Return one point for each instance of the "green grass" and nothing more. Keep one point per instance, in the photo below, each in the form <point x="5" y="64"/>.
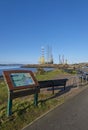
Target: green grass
<point x="23" y="109"/>
<point x="24" y="112"/>
<point x="3" y="92"/>
<point x="50" y="74"/>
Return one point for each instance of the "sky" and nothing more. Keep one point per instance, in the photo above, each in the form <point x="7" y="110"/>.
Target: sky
<point x="28" y="25"/>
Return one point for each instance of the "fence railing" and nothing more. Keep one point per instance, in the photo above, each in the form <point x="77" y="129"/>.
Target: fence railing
<point x="77" y="80"/>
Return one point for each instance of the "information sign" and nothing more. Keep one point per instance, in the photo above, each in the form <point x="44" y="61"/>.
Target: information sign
<point x="20" y="80"/>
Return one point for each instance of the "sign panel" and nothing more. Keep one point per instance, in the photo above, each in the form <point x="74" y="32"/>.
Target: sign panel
<point x="20" y="79"/>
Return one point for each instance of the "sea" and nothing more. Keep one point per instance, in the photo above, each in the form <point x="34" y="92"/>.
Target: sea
<point x="18" y="67"/>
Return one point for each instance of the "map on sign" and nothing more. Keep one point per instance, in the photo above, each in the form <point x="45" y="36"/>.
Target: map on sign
<point x="22" y="79"/>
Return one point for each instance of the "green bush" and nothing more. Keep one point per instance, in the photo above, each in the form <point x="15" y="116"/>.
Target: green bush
<point x="40" y="71"/>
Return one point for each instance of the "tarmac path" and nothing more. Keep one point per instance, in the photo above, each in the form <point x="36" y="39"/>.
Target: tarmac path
<point x="72" y="115"/>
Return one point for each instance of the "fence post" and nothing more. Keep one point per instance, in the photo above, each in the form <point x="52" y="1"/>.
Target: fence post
<point x="52" y="87"/>
<point x="36" y="99"/>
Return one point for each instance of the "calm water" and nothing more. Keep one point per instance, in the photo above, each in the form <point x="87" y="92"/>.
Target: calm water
<point x="2" y="68"/>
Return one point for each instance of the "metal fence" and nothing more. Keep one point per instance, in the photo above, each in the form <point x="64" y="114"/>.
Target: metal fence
<point x="77" y="80"/>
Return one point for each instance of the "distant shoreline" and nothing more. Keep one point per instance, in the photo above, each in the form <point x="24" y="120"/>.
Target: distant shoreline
<point x="60" y="66"/>
<point x="41" y="65"/>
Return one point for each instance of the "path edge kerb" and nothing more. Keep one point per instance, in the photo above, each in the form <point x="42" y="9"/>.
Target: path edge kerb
<point x="42" y="116"/>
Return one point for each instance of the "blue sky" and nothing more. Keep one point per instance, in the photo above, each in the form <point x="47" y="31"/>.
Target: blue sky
<point x="27" y="25"/>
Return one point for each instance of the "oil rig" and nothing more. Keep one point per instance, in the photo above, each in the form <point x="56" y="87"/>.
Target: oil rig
<point x="48" y="59"/>
<point x="62" y="60"/>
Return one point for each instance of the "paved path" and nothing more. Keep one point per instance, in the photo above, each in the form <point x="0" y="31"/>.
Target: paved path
<point x="72" y="115"/>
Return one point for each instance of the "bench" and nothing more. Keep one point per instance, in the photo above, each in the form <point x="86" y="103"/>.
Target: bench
<point x="52" y="83"/>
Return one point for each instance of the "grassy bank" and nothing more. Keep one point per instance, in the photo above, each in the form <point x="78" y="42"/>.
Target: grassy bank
<point x="24" y="110"/>
<point x="49" y="74"/>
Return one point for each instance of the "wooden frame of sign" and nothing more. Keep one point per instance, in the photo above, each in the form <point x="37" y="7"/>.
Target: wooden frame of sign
<point x="20" y="79"/>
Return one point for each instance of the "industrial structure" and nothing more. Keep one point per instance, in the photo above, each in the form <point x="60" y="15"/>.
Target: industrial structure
<point x="42" y="58"/>
<point x="48" y="58"/>
<point x="62" y="60"/>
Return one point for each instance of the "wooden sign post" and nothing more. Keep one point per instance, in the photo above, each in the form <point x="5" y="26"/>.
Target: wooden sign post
<point x="9" y="107"/>
<point x="20" y="83"/>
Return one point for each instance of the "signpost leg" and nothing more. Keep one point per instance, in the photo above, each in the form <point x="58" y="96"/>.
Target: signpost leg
<point x="64" y="86"/>
<point x="53" y="90"/>
<point x="36" y="99"/>
<point x="9" y="109"/>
